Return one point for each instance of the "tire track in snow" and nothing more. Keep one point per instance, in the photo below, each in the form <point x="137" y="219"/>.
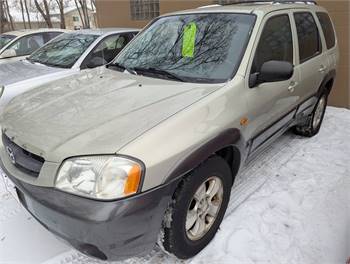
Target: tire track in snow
<point x="252" y="177"/>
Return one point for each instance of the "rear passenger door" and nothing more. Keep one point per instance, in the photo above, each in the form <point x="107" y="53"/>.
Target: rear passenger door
<point x="330" y="40"/>
<point x="312" y="64"/>
<point x="271" y="105"/>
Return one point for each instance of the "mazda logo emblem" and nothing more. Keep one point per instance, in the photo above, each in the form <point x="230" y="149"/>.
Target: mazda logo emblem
<point x="11" y="154"/>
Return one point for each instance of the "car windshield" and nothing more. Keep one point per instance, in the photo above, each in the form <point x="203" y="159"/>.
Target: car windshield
<point x="4" y="39"/>
<point x="63" y="51"/>
<point x="204" y="48"/>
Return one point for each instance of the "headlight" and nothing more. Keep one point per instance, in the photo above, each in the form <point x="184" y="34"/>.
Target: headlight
<point x="100" y="177"/>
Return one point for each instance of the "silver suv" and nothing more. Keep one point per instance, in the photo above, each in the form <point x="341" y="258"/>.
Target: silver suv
<point x="147" y="148"/>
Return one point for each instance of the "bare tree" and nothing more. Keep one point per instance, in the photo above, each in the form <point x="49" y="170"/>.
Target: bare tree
<point x="27" y="11"/>
<point x="22" y="11"/>
<point x="93" y="8"/>
<point x="2" y="17"/>
<point x="93" y="5"/>
<point x="44" y="11"/>
<point x="83" y="12"/>
<point x="60" y="4"/>
<point x="9" y="14"/>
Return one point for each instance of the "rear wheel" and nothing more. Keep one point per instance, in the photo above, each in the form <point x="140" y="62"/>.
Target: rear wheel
<point x="312" y="127"/>
<point x="198" y="208"/>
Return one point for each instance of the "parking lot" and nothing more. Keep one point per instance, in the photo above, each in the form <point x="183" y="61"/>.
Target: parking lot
<point x="290" y="205"/>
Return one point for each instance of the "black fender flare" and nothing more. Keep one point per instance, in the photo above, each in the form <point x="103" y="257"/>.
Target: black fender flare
<point x="229" y="138"/>
<point x="323" y="87"/>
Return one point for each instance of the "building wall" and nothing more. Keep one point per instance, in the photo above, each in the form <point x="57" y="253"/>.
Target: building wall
<point x="117" y="14"/>
<point x="339" y="11"/>
<point x="70" y="24"/>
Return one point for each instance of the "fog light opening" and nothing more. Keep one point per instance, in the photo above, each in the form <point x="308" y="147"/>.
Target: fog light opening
<point x="92" y="251"/>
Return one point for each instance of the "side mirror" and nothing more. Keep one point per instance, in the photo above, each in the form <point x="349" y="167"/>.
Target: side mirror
<point x="272" y="71"/>
<point x="8" y="53"/>
<point x="95" y="62"/>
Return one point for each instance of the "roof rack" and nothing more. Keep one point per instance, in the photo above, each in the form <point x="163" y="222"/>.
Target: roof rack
<point x="313" y="2"/>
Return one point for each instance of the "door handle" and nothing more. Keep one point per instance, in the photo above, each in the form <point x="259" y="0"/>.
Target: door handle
<point x="322" y="69"/>
<point x="292" y="86"/>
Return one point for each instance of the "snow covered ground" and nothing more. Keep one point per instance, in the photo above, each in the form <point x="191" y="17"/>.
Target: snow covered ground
<point x="290" y="205"/>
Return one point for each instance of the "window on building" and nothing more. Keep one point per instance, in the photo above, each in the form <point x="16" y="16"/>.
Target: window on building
<point x="144" y="9"/>
<point x="75" y="19"/>
<point x="327" y="28"/>
<point x="309" y="38"/>
<point x="276" y="42"/>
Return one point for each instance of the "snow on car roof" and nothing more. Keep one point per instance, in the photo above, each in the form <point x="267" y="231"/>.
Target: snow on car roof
<point x="102" y="31"/>
<point x="22" y="32"/>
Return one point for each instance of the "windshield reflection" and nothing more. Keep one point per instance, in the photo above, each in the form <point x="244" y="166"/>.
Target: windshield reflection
<point x="196" y="47"/>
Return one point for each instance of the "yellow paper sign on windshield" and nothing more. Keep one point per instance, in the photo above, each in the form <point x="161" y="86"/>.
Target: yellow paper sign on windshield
<point x="189" y="40"/>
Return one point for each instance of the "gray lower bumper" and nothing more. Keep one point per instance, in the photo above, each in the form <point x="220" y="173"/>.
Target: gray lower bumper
<point x="105" y="230"/>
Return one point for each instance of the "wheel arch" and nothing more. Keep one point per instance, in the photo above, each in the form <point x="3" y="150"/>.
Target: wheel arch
<point x="229" y="145"/>
<point x="327" y="83"/>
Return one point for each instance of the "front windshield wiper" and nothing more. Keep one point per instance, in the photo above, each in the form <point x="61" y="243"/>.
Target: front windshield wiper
<point x="33" y="61"/>
<point x="159" y="72"/>
<point x="45" y="63"/>
<point x="122" y="67"/>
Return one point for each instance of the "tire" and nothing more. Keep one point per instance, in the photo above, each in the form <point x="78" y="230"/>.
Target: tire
<point x="186" y="241"/>
<point x="312" y="127"/>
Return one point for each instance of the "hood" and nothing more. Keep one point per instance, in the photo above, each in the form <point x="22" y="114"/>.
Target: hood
<point x="97" y="112"/>
<point x="18" y="71"/>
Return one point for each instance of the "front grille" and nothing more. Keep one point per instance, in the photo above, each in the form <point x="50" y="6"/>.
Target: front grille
<point x="25" y="161"/>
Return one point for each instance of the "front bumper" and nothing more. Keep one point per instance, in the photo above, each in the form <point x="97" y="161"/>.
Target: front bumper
<point x="105" y="230"/>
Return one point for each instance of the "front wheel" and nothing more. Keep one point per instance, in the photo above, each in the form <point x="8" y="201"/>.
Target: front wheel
<point x="312" y="127"/>
<point x="198" y="208"/>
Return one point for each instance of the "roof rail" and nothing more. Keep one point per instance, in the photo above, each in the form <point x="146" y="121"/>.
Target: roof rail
<point x="273" y="2"/>
<point x="214" y="5"/>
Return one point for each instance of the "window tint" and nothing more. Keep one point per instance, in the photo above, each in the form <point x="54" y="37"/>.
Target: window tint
<point x="309" y="38"/>
<point x="327" y="28"/>
<point x="63" y="51"/>
<point x="51" y="35"/>
<point x="202" y="48"/>
<point x="110" y="47"/>
<point x="4" y="39"/>
<point x="28" y="44"/>
<point x="276" y="42"/>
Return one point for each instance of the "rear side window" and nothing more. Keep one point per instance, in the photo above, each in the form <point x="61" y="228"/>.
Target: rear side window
<point x="50" y="35"/>
<point x="327" y="28"/>
<point x="276" y="42"/>
<point x="110" y="47"/>
<point x="309" y="38"/>
<point x="28" y="44"/>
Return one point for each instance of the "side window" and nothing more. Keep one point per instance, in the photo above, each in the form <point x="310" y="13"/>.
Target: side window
<point x="51" y="35"/>
<point x="109" y="48"/>
<point x="28" y="44"/>
<point x="309" y="38"/>
<point x="327" y="29"/>
<point x="276" y="42"/>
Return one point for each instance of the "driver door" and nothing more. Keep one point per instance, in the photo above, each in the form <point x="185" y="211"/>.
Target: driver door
<point x="271" y="105"/>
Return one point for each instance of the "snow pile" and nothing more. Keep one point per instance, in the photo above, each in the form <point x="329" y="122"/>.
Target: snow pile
<point x="290" y="205"/>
